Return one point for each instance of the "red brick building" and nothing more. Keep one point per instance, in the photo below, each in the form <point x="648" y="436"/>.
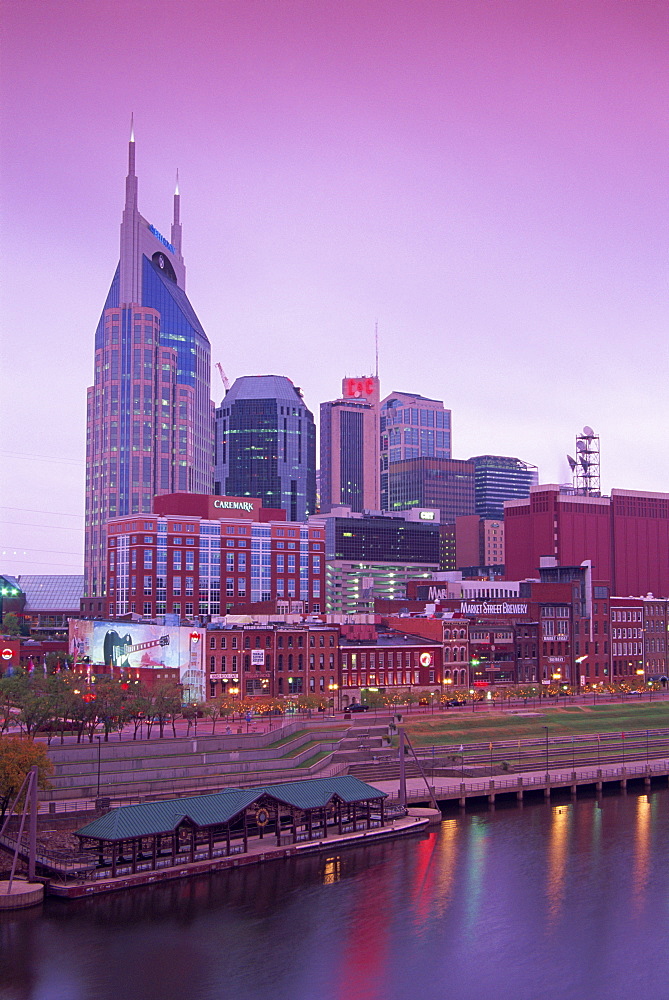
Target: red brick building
<point x="625" y="537"/>
<point x="274" y="660"/>
<point x="202" y="556"/>
<point x="389" y="662"/>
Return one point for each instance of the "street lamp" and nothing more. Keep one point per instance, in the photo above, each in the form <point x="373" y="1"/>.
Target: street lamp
<point x="98" y="738"/>
<point x="334" y="688"/>
<point x="471" y="695"/>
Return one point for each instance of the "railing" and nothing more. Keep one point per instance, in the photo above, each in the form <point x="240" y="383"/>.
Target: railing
<point x="485" y="786"/>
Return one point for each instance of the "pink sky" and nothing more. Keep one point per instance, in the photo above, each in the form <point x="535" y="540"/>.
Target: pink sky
<point x="487" y="179"/>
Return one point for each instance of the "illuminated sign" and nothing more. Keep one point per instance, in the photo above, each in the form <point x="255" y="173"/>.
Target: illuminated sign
<point x="7" y="654"/>
<point x="159" y="236"/>
<point x="258" y="657"/>
<point x="234" y="505"/>
<point x="223" y="677"/>
<point x="503" y="608"/>
<point x="357" y="388"/>
<point x="427" y="515"/>
<point x="425" y="659"/>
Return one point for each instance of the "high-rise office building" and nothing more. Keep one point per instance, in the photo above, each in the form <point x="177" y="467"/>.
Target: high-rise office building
<point x="444" y="484"/>
<point x="499" y="478"/>
<point x="265" y="445"/>
<point x="149" y="412"/>
<point x="411" y="426"/>
<point x="349" y="432"/>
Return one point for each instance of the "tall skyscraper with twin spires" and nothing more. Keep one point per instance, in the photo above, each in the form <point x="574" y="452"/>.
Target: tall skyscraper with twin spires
<point x="150" y="418"/>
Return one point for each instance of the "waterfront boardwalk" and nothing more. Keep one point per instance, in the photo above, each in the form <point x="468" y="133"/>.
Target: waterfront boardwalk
<point x="458" y="789"/>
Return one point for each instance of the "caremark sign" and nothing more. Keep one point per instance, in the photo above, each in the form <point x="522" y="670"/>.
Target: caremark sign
<point x="234" y="505"/>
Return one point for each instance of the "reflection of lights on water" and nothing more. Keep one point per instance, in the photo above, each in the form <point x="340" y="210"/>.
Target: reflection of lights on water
<point x="332" y="870"/>
<point x="475" y="868"/>
<point x="445" y="877"/>
<point x="641" y="868"/>
<point x="557" y="856"/>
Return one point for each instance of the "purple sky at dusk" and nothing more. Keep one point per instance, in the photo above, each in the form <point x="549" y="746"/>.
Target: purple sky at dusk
<point x="486" y="178"/>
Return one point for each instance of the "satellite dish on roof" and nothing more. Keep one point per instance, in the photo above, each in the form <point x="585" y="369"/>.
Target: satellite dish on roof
<point x="584" y="462"/>
<point x="572" y="463"/>
<point x="588" y="431"/>
<point x="581" y="445"/>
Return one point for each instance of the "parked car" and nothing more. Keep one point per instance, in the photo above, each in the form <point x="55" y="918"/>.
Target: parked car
<point x="357" y="707"/>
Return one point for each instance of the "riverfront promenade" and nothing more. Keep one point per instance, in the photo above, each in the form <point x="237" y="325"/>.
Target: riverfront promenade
<point x="458" y="789"/>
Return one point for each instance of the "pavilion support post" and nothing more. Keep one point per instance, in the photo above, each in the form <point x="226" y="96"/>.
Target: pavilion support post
<point x="325" y="822"/>
<point x="292" y="818"/>
<point x="227" y="837"/>
<point x="113" y="866"/>
<point x="134" y="856"/>
<point x="154" y="851"/>
<point x="211" y="842"/>
<point x="369" y="814"/>
<point x="192" y="844"/>
<point x="246" y="834"/>
<point x="355" y="817"/>
<point x="339" y="816"/>
<point x="174" y="847"/>
<point x="383" y="816"/>
<point x="310" y="824"/>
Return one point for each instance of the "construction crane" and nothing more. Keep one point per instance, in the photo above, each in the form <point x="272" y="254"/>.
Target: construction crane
<point x="224" y="378"/>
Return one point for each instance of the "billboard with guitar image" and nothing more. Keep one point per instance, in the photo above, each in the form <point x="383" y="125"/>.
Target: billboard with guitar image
<point x="146" y="652"/>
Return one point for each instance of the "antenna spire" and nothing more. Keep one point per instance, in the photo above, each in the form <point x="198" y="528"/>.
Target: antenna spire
<point x="376" y="346"/>
<point x="176" y="223"/>
<point x="131" y="179"/>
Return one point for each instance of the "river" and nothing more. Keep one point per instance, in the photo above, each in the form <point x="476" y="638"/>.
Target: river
<point x="566" y="900"/>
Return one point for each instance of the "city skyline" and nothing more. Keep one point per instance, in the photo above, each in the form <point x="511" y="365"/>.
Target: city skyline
<point x="485" y="180"/>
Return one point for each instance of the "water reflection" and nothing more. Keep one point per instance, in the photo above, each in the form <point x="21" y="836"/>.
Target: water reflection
<point x="562" y="900"/>
<point x="642" y="854"/>
<point x="556" y="869"/>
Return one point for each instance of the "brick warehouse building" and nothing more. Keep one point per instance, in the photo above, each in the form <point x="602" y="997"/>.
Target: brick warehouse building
<point x="625" y="536"/>
<point x="274" y="659"/>
<point x="531" y="638"/>
<point x="199" y="556"/>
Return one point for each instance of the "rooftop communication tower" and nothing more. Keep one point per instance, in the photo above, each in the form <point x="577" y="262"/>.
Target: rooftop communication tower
<point x="585" y="467"/>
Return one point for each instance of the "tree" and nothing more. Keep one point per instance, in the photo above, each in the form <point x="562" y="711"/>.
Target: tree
<point x="36" y="708"/>
<point x="18" y="754"/>
<point x="109" y="704"/>
<point x="165" y="704"/>
<point x="11" y="624"/>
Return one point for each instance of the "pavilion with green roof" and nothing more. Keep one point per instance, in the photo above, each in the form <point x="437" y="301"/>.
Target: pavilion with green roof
<point x="172" y="832"/>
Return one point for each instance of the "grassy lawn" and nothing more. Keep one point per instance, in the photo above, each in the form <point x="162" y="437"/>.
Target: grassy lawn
<point x="304" y="746"/>
<point x="462" y="726"/>
<point x="287" y="739"/>
<point x="314" y="759"/>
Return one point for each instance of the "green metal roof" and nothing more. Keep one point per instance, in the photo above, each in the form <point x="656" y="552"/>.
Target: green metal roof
<point x="314" y="793"/>
<point x="149" y="818"/>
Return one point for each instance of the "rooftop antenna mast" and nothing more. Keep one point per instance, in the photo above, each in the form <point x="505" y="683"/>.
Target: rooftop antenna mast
<point x="376" y="346"/>
<point x="585" y="466"/>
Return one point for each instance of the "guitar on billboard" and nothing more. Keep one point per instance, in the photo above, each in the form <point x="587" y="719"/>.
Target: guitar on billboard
<point x="117" y="649"/>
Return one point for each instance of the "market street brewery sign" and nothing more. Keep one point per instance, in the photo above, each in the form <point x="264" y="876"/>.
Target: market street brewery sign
<point x="434" y="595"/>
<point x="487" y="608"/>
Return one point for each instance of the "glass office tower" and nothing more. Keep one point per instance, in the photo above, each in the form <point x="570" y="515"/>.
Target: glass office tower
<point x="149" y="412"/>
<point x="499" y="478"/>
<point x="266" y="445"/>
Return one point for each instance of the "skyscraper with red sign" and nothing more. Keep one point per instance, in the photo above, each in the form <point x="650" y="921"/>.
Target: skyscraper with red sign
<point x="350" y="447"/>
